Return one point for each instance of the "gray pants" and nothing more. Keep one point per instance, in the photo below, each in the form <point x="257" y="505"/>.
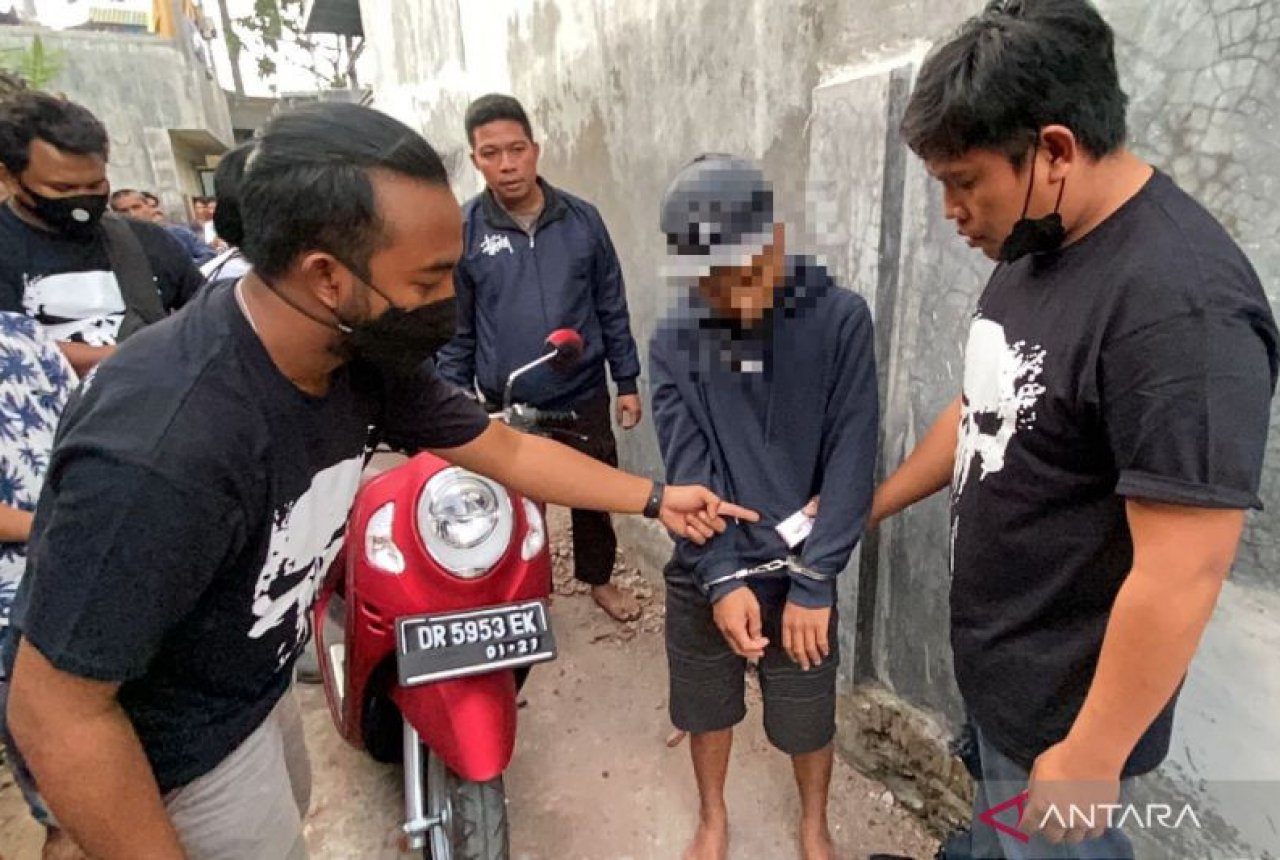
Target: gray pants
<point x="253" y="803"/>
<point x="1002" y="779"/>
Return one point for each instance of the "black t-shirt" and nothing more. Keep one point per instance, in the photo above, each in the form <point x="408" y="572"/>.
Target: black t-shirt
<point x="194" y="500"/>
<point x="68" y="286"/>
<point x="1138" y="362"/>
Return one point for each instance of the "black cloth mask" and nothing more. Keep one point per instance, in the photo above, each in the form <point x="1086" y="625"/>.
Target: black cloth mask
<point x="75" y="217"/>
<point x="1035" y="235"/>
<point x="397" y="342"/>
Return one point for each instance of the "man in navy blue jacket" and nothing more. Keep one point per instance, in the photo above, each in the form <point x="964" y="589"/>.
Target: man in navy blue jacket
<point x="765" y="389"/>
<point x="539" y="259"/>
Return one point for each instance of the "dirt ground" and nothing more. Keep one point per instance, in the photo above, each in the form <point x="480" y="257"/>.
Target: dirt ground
<point x="593" y="777"/>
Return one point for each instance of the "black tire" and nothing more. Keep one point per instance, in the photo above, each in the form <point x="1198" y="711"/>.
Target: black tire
<point x="478" y="819"/>
<point x="382" y="729"/>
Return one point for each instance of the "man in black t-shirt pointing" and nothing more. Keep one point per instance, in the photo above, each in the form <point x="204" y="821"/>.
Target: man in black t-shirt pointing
<point x="1110" y="432"/>
<point x="202" y="480"/>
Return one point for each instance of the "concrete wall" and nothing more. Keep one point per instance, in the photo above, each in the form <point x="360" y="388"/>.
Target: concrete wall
<point x="622" y="94"/>
<point x="140" y="86"/>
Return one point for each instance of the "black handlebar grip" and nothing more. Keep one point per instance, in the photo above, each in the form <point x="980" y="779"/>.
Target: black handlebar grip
<point x="554" y="418"/>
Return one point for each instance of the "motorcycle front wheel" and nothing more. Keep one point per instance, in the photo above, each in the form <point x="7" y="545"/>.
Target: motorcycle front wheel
<point x="474" y="815"/>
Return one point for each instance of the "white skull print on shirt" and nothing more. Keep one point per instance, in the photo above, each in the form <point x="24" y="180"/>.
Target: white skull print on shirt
<point x="1001" y="389"/>
<point x="1000" y="394"/>
<point x="305" y="537"/>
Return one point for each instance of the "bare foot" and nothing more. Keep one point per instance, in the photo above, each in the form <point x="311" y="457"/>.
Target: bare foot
<point x="815" y="842"/>
<point x="613" y="600"/>
<point x="711" y="841"/>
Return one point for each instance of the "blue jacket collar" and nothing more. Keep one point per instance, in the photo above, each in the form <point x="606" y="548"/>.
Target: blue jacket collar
<point x="554" y="208"/>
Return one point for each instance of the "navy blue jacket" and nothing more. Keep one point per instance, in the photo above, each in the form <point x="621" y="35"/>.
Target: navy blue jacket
<point x="515" y="289"/>
<point x="768" y="418"/>
<point x="192" y="243"/>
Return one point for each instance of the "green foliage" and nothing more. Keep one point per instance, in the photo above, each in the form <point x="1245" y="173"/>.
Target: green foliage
<point x="36" y="65"/>
<point x="277" y="24"/>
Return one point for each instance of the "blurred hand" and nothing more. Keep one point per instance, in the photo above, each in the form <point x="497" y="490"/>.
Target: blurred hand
<point x="629" y="410"/>
<point x="1066" y="778"/>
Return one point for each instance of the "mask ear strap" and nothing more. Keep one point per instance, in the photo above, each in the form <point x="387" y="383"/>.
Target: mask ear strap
<point x="342" y="327"/>
<point x="1061" y="189"/>
<point x="1026" y="203"/>
<point x="368" y="282"/>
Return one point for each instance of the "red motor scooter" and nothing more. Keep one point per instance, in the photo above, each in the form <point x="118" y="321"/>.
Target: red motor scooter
<point x="430" y="618"/>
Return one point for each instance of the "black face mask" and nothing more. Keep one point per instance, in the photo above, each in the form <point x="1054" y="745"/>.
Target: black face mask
<point x="397" y="342"/>
<point x="75" y="217"/>
<point x="1035" y="235"/>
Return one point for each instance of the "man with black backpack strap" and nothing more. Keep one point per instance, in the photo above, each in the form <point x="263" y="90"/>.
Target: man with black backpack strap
<point x="91" y="280"/>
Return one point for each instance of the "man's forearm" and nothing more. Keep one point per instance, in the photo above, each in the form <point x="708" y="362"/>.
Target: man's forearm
<point x="551" y="472"/>
<point x="94" y="775"/>
<point x="83" y="357"/>
<point x="1148" y="647"/>
<point x="926" y="470"/>
<point x="1181" y="555"/>
<point x="15" y="525"/>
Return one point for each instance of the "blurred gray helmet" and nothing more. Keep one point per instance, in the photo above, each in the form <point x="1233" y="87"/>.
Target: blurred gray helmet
<point x="717" y="213"/>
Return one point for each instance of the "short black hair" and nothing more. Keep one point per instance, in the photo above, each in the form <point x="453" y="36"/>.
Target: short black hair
<point x="227" y="177"/>
<point x="306" y="185"/>
<point x="1019" y="66"/>
<point x="120" y="193"/>
<point x="30" y="115"/>
<point x="493" y="108"/>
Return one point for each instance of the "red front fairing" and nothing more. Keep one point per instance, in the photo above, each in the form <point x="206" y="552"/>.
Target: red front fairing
<point x="469" y="722"/>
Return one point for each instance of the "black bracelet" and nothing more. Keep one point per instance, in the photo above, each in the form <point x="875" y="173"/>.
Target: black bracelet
<point x="654" y="505"/>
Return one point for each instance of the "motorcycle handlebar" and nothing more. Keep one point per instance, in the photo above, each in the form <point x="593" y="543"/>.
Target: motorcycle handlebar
<point x="556" y="418"/>
<point x="530" y="418"/>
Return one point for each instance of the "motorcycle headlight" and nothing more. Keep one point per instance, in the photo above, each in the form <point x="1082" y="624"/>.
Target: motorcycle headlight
<point x="379" y="547"/>
<point x="536" y="537"/>
<point x="465" y="521"/>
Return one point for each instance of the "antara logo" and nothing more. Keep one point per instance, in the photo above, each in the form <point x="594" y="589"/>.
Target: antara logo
<point x="493" y="243"/>
<point x="1111" y="815"/>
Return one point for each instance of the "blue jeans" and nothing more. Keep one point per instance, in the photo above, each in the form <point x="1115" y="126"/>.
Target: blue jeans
<point x="1004" y="779"/>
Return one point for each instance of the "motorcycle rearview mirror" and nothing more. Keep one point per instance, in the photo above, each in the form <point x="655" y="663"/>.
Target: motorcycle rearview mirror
<point x="567" y="346"/>
<point x="563" y="350"/>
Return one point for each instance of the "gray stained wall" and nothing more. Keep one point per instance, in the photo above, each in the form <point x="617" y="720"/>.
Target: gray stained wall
<point x="621" y="95"/>
<point x="140" y="86"/>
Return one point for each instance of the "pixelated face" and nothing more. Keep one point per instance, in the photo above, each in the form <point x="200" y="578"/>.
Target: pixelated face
<point x="984" y="195"/>
<point x="508" y="160"/>
<point x="744" y="292"/>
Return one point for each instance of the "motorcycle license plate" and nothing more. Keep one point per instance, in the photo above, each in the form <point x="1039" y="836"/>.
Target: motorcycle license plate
<point x="455" y="645"/>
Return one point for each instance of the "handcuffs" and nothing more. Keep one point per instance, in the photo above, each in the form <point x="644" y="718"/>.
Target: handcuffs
<point x="790" y="563"/>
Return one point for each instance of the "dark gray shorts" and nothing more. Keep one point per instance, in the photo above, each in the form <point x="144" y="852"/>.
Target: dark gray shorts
<point x="708" y="680"/>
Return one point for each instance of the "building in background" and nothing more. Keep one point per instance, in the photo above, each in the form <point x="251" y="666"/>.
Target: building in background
<point x="112" y="19"/>
<point x="143" y="67"/>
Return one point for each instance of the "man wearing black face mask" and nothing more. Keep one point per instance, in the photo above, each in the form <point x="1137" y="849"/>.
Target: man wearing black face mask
<point x="1110" y="433"/>
<point x="202" y="482"/>
<point x="90" y="281"/>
